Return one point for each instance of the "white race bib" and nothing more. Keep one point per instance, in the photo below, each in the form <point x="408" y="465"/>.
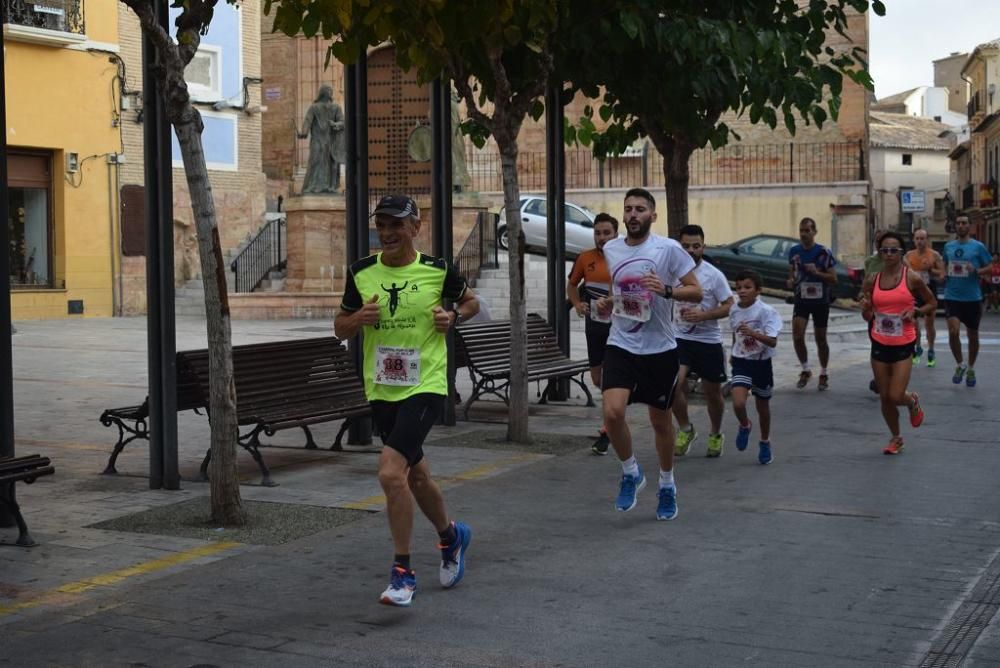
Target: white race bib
<point x="811" y="290"/>
<point x="746" y="346"/>
<point x="959" y="269"/>
<point x="889" y="325"/>
<point x="925" y="276"/>
<point x="995" y="280"/>
<point x="397" y="366"/>
<point x="634" y="306"/>
<point x="595" y="315"/>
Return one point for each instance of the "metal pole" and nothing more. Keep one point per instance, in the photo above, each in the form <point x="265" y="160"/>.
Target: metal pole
<point x="555" y="191"/>
<point x="441" y="206"/>
<point x="160" y="325"/>
<point x="6" y="326"/>
<point x="356" y="200"/>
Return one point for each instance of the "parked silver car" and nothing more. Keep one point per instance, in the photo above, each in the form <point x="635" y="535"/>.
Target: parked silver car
<point x="579" y="227"/>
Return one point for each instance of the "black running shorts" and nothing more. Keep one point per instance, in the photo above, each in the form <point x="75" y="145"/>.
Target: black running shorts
<point x="968" y="313"/>
<point x="707" y="360"/>
<point x="892" y="354"/>
<point x="819" y="311"/>
<point x="403" y="425"/>
<point x="650" y="378"/>
<point x="597" y="340"/>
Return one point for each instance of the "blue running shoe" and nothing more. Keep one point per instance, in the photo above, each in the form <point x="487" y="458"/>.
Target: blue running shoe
<point x="453" y="556"/>
<point x="970" y="378"/>
<point x="959" y="374"/>
<point x="764" y="454"/>
<point x="629" y="490"/>
<point x="666" y="507"/>
<point x="917" y="353"/>
<point x="401" y="589"/>
<point x="743" y="437"/>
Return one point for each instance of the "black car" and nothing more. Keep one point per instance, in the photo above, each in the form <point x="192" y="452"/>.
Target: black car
<point x="767" y="254"/>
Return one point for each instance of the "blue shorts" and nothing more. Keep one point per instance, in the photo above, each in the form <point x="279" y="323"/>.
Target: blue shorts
<point x="757" y="375"/>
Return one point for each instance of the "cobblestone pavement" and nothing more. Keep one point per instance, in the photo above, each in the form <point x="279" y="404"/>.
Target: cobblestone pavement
<point x="834" y="555"/>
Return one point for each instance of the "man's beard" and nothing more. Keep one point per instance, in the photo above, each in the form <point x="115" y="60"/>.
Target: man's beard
<point x="641" y="232"/>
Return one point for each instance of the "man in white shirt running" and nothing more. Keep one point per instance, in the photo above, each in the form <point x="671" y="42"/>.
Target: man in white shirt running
<point x="699" y="346"/>
<point x="640" y="361"/>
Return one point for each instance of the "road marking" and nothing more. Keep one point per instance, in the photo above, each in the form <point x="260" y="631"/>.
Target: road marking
<point x="484" y="471"/>
<point x="66" y="593"/>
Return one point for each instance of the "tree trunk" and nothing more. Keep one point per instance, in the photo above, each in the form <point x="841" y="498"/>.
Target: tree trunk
<point x="517" y="420"/>
<point x="227" y="505"/>
<point x="677" y="175"/>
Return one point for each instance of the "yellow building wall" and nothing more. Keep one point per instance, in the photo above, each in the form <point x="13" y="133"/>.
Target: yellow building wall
<point x="731" y="213"/>
<point x="59" y="99"/>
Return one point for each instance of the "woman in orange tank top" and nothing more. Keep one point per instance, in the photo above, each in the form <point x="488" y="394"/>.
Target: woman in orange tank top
<point x="889" y="306"/>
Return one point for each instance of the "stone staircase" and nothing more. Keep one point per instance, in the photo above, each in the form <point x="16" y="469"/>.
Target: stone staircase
<point x="189" y="300"/>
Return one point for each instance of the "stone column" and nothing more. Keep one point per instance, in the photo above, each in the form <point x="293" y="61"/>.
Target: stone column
<point x="317" y="243"/>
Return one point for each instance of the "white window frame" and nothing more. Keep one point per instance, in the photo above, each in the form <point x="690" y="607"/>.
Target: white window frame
<point x="213" y="93"/>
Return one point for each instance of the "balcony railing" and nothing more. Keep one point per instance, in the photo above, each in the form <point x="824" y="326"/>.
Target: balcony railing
<point x="979" y="196"/>
<point x="57" y="15"/>
<point x="973" y="106"/>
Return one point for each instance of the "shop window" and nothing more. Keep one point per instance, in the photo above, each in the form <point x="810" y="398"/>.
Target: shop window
<point x="907" y="158"/>
<point x="29" y="220"/>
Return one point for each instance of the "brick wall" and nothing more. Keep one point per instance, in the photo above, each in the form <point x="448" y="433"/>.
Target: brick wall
<point x="239" y="195"/>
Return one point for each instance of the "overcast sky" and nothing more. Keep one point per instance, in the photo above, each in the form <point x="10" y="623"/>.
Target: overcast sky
<point x="914" y="32"/>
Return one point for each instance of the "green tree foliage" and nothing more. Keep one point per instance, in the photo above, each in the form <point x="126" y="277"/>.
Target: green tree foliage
<point x="498" y="54"/>
<point x="670" y="71"/>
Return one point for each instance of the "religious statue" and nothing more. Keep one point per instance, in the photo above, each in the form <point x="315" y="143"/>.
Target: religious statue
<point x="324" y="125"/>
<point x="460" y="179"/>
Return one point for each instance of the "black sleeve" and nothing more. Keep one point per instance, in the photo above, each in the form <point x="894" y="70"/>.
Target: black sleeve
<point x="454" y="285"/>
<point x="352" y="298"/>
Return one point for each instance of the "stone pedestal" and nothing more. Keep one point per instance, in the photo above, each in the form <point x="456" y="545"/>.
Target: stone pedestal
<point x="317" y="243"/>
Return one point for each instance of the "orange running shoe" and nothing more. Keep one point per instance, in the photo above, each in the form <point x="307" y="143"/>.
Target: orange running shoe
<point x="916" y="412"/>
<point x="895" y="446"/>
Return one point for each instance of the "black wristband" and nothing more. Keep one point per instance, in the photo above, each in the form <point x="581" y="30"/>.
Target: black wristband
<point x="668" y="292"/>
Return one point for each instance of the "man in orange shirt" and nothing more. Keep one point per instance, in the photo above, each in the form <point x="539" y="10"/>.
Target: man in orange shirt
<point x="590" y="271"/>
<point x="928" y="263"/>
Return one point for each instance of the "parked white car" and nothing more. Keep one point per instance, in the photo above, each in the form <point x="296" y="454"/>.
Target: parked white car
<point x="579" y="227"/>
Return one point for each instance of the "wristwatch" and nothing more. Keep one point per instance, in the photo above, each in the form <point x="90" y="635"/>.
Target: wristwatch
<point x="668" y="292"/>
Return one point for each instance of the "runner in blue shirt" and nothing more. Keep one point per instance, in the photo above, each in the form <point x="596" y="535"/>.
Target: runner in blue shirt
<point x="811" y="275"/>
<point x="966" y="261"/>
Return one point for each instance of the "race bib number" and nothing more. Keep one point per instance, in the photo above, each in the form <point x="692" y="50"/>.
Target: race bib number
<point x="595" y="315"/>
<point x="397" y="366"/>
<point x="746" y="346"/>
<point x="959" y="269"/>
<point x="811" y="290"/>
<point x="888" y="325"/>
<point x="634" y="306"/>
<point x="925" y="276"/>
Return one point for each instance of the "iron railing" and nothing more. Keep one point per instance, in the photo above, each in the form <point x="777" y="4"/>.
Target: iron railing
<point x="480" y="248"/>
<point x="60" y="15"/>
<point x="736" y="164"/>
<point x="260" y="257"/>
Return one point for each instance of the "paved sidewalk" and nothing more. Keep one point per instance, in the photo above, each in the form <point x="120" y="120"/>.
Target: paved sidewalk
<point x="834" y="555"/>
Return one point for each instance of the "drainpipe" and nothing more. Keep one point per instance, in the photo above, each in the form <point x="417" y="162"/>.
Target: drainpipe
<point x="115" y="295"/>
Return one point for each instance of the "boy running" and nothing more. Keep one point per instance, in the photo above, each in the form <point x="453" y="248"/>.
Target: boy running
<point x="755" y="326"/>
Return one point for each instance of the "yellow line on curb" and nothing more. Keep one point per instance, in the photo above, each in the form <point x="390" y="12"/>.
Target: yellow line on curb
<point x="378" y="500"/>
<point x="65" y="593"/>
